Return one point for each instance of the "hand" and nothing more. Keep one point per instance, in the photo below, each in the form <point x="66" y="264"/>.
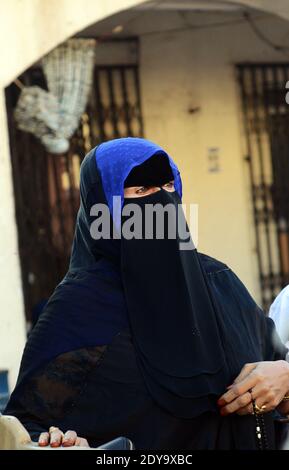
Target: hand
<point x="268" y="382"/>
<point x="56" y="438"/>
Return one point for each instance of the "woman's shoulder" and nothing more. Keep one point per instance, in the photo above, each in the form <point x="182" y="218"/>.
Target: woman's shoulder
<point x="212" y="265"/>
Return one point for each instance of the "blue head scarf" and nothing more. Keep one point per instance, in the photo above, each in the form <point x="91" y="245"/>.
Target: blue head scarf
<point x="116" y="158"/>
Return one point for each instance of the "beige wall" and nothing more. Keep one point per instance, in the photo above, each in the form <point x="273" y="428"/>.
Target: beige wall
<point x="12" y="327"/>
<point x="190" y="69"/>
<point x="277" y="7"/>
<point x="31" y="28"/>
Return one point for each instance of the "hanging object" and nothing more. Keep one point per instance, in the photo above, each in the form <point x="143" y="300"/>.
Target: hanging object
<point x="54" y="115"/>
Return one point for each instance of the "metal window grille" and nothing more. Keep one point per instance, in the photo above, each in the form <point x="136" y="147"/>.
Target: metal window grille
<point x="266" y="125"/>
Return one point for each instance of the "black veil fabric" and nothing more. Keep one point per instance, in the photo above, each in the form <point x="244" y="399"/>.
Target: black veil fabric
<point x="175" y="326"/>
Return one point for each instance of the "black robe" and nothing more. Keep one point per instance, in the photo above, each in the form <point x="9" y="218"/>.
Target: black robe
<point x="100" y="392"/>
<point x="145" y="355"/>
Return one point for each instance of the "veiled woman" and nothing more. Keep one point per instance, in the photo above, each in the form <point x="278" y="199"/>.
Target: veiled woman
<point x="144" y="337"/>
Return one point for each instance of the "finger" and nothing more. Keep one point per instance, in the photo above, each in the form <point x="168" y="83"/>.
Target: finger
<point x="260" y="401"/>
<point x="247" y="410"/>
<point x="69" y="438"/>
<point x="81" y="442"/>
<point x="240" y="402"/>
<point x="264" y="404"/>
<point x="78" y="441"/>
<point x="264" y="395"/>
<point x="238" y="389"/>
<point x="43" y="439"/>
<point x="247" y="369"/>
<point x="56" y="438"/>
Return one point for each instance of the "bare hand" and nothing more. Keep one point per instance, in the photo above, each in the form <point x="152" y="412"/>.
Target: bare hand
<point x="56" y="438"/>
<point x="266" y="382"/>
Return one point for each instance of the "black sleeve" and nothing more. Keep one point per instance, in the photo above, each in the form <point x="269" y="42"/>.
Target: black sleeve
<point x="241" y="318"/>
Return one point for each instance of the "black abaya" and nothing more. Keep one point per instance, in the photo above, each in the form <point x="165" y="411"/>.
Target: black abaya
<point x="112" y="400"/>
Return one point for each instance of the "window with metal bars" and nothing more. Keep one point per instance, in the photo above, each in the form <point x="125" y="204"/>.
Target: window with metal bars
<point x="266" y="124"/>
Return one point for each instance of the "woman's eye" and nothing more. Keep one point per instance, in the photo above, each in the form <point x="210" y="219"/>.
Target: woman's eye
<point x="142" y="190"/>
<point x="169" y="185"/>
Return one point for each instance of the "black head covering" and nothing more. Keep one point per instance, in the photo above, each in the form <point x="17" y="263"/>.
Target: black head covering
<point x="155" y="171"/>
